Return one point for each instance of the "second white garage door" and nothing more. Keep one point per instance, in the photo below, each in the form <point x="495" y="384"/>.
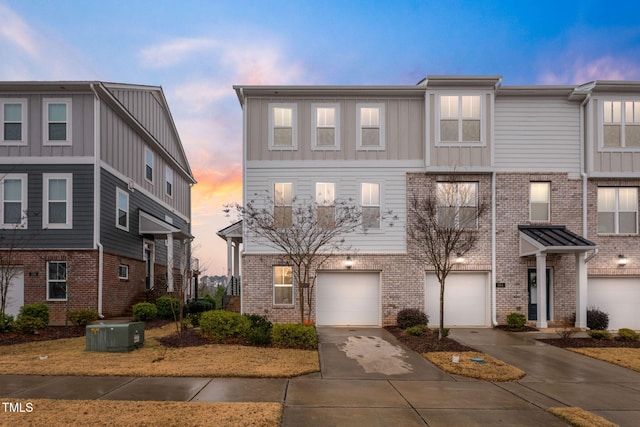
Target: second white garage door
<point x="466" y="300"/>
<point x="348" y="299"/>
<point x="619" y="297"/>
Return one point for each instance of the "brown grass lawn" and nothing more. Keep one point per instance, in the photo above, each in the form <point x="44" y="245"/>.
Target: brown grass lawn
<point x="626" y="357"/>
<point x="68" y="357"/>
<point x="580" y="418"/>
<point x="491" y="370"/>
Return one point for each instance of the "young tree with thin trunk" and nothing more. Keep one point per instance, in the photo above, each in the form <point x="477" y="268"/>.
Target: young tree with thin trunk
<point x="443" y="226"/>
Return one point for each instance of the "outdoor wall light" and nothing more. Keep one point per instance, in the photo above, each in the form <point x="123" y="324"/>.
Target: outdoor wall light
<point x="622" y="260"/>
<point x="348" y="263"/>
<point x="459" y="258"/>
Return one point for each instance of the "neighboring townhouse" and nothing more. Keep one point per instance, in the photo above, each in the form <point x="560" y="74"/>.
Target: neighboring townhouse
<point x="96" y="195"/>
<point x="557" y="166"/>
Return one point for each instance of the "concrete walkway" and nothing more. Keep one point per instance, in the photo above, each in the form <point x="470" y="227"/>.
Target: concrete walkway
<point x="369" y="378"/>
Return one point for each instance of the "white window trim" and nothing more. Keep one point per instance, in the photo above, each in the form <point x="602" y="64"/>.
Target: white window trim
<point x="548" y="202"/>
<point x="66" y="287"/>
<point x="45" y="200"/>
<point x="458" y="205"/>
<point x="380" y="204"/>
<point x="153" y="169"/>
<point x="274" y="286"/>
<point x="600" y="121"/>
<point x="25" y="125"/>
<point x="45" y="121"/>
<point x="483" y="120"/>
<point x="118" y="192"/>
<point x="24" y="200"/>
<point x="359" y="146"/>
<point x="126" y="268"/>
<point x="616" y="212"/>
<point x="294" y="127"/>
<point x="168" y="179"/>
<point x="314" y="126"/>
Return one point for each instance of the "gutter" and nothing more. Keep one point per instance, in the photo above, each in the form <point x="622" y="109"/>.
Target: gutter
<point x="96" y="195"/>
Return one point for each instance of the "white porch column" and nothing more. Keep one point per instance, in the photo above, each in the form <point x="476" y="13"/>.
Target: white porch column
<point x="229" y="257"/>
<point x="541" y="277"/>
<point x="169" y="262"/>
<point x="236" y="260"/>
<point x="581" y="291"/>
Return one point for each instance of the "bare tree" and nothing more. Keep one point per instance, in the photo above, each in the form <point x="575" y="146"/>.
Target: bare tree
<point x="11" y="240"/>
<point x="442" y="226"/>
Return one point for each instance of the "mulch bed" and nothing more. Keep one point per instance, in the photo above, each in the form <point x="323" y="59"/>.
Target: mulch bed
<point x="427" y="342"/>
<point x="188" y="337"/>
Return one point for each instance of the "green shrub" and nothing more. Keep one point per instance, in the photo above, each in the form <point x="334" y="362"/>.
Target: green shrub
<point x="516" y="320"/>
<point x="144" y="311"/>
<point x="597" y="319"/>
<point x="39" y="310"/>
<point x="627" y="334"/>
<point x="6" y="323"/>
<point x="597" y="334"/>
<point x="221" y="324"/>
<point x="168" y="307"/>
<point x="415" y="331"/>
<point x="83" y="316"/>
<point x="259" y="332"/>
<point x="409" y="317"/>
<point x="29" y="324"/>
<point x="211" y="300"/>
<point x="445" y="332"/>
<point x="293" y="335"/>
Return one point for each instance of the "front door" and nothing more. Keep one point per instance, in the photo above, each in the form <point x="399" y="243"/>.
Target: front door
<point x="533" y="293"/>
<point x="148" y="259"/>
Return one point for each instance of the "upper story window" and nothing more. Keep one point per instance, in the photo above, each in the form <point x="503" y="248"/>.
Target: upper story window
<point x="370" y="202"/>
<point x="326" y="121"/>
<point x="58" y="201"/>
<point x="325" y="202"/>
<point x="168" y="177"/>
<point x="13" y="193"/>
<point x="56" y="280"/>
<point x="57" y="121"/>
<point x="13" y="116"/>
<point x="621" y="124"/>
<point x="539" y="201"/>
<point x="282" y="127"/>
<point x="617" y="210"/>
<point x="122" y="209"/>
<point x="283" y="205"/>
<point x="148" y="164"/>
<point x="370" y="132"/>
<point x="460" y="119"/>
<point x="457" y="204"/>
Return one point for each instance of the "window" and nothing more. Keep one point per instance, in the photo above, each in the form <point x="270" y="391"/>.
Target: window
<point x="325" y="127"/>
<point x="457" y="204"/>
<point x="282" y="121"/>
<point x="57" y="204"/>
<point x="56" y="280"/>
<point x="370" y="201"/>
<point x="283" y="209"/>
<point x="370" y="119"/>
<point x="122" y="209"/>
<point x="123" y="271"/>
<point x="325" y="202"/>
<point x="282" y="285"/>
<point x="539" y="204"/>
<point x="148" y="164"/>
<point x="617" y="210"/>
<point x="621" y="124"/>
<point x="13" y="193"/>
<point x="168" y="176"/>
<point x="460" y="118"/>
<point x="57" y="121"/>
<point x="13" y="116"/>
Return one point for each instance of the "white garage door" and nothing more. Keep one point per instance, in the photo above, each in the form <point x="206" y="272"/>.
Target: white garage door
<point x="619" y="297"/>
<point x="348" y="299"/>
<point x="15" y="295"/>
<point x="466" y="300"/>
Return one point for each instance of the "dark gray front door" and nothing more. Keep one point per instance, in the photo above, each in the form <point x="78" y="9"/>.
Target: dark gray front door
<point x="533" y="293"/>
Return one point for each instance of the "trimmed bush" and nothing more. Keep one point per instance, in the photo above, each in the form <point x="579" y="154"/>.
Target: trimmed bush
<point x="597" y="319"/>
<point x="445" y="332"/>
<point x="221" y="325"/>
<point x="627" y="334"/>
<point x="409" y="317"/>
<point x="167" y="306"/>
<point x="259" y="332"/>
<point x="29" y="324"/>
<point x="6" y="323"/>
<point x="293" y="335"/>
<point x="599" y="334"/>
<point x="39" y="310"/>
<point x="415" y="331"/>
<point x="144" y="311"/>
<point x="82" y="317"/>
<point x="516" y="320"/>
<point x="194" y="309"/>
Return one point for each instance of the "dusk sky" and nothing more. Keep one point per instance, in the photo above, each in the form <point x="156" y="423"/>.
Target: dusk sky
<point x="197" y="50"/>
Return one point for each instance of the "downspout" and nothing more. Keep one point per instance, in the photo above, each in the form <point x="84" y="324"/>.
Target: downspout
<point x="583" y="174"/>
<point x="244" y="182"/>
<point x="494" y="319"/>
<point x="96" y="195"/>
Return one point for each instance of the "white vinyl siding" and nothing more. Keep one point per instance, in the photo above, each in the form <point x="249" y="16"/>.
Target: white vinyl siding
<point x="58" y="201"/>
<point x="122" y="209"/>
<point x="370" y="126"/>
<point x="13" y="119"/>
<point x="282" y="127"/>
<point x="57" y="121"/>
<point x="325" y="126"/>
<point x="539" y="201"/>
<point x="13" y="195"/>
<point x="617" y="210"/>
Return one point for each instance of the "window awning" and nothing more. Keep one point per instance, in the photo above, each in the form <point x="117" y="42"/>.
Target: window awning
<point x="150" y="225"/>
<point x="536" y="239"/>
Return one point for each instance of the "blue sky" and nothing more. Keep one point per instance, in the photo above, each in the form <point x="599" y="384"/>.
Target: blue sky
<point x="196" y="50"/>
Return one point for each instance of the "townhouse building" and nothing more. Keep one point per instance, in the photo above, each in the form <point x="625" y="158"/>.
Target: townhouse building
<point x="558" y="168"/>
<point x="96" y="195"/>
